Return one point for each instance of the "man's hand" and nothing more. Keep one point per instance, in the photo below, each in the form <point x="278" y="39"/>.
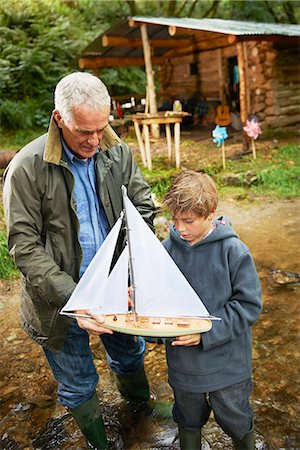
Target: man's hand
<point x="188" y="340"/>
<point x="91" y="327"/>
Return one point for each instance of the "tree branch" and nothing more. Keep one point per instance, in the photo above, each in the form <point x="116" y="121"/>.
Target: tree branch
<point x="290" y="12"/>
<point x="132" y="7"/>
<point x="211" y="12"/>
<point x="271" y="11"/>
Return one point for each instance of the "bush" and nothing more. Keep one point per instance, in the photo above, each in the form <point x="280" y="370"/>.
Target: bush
<point x="7" y="266"/>
<point x="21" y="115"/>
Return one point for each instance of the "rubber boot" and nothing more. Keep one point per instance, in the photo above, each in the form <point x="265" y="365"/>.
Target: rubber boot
<point x="89" y="419"/>
<point x="189" y="440"/>
<point x="247" y="443"/>
<point x="134" y="388"/>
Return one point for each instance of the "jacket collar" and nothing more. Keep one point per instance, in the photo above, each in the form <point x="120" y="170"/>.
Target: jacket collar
<point x="53" y="147"/>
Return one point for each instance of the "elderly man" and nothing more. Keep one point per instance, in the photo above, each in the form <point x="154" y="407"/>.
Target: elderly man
<point x="62" y="195"/>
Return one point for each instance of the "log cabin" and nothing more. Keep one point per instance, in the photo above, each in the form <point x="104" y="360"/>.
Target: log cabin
<point x="252" y="67"/>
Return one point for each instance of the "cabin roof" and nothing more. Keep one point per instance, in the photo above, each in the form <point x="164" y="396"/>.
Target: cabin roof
<point x="236" y="27"/>
<point x="122" y="42"/>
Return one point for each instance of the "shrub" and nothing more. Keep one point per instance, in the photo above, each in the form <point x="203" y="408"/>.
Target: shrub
<point x="7" y="266"/>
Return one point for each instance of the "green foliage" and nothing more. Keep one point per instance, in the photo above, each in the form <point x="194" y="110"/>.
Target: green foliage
<point x="160" y="177"/>
<point x="42" y="40"/>
<point x="122" y="80"/>
<point x="278" y="11"/>
<point x="7" y="266"/>
<point x="276" y="175"/>
<point x="282" y="175"/>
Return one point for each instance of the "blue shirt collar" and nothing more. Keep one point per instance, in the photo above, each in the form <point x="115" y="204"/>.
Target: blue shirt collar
<point x="72" y="158"/>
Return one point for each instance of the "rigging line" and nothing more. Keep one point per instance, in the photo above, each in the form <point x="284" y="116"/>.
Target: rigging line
<point x="131" y="271"/>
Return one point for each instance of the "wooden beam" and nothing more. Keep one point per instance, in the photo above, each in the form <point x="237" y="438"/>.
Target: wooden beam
<point x="121" y="41"/>
<point x="243" y="81"/>
<point x="212" y="44"/>
<point x="272" y="38"/>
<point x="93" y="62"/>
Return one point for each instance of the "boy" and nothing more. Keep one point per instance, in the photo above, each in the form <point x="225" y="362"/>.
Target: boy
<point x="212" y="371"/>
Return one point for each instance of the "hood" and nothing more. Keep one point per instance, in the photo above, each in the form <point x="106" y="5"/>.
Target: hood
<point x="53" y="148"/>
<point x="223" y="230"/>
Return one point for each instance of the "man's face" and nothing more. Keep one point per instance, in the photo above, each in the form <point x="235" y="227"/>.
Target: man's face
<point x="84" y="131"/>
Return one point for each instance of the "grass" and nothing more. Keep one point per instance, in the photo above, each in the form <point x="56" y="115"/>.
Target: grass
<point x="274" y="174"/>
<point x="16" y="139"/>
<point x="7" y="266"/>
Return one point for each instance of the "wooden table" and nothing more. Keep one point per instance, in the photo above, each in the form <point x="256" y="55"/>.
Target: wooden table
<point x="162" y="118"/>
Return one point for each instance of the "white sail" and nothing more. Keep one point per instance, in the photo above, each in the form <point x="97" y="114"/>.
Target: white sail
<point x="98" y="292"/>
<point x="161" y="288"/>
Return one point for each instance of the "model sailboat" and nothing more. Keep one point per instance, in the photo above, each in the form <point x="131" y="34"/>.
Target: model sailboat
<point x="163" y="302"/>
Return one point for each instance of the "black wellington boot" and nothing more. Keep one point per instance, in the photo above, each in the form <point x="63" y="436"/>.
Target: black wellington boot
<point x="247" y="443"/>
<point x="189" y="440"/>
<point x="89" y="419"/>
<point x="134" y="388"/>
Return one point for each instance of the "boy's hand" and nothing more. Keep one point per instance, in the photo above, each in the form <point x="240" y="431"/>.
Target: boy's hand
<point x="188" y="340"/>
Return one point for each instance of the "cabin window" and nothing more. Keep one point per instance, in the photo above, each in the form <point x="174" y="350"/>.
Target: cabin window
<point x="193" y="69"/>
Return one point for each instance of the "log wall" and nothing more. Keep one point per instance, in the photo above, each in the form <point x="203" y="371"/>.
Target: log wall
<point x="273" y="79"/>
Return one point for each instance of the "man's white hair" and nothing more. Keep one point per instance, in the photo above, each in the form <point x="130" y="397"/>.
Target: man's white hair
<point x="80" y="89"/>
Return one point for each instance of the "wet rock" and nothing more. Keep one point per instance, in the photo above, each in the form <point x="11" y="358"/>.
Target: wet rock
<point x="41" y="401"/>
<point x="232" y="179"/>
<point x="53" y="436"/>
<point x="282" y="277"/>
<point x="8" y="444"/>
<point x="11" y="337"/>
<point x="7" y="392"/>
<point x="240" y="179"/>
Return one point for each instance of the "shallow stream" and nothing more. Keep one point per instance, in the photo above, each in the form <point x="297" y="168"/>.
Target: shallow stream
<point x="31" y="419"/>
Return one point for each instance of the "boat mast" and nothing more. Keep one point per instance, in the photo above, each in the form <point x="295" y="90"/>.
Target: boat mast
<point x="131" y="271"/>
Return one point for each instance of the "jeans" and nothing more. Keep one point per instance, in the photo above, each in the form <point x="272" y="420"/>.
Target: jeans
<point x="231" y="407"/>
<point x="74" y="369"/>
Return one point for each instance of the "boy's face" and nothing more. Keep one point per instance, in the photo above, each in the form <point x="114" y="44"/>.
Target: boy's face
<point x="191" y="227"/>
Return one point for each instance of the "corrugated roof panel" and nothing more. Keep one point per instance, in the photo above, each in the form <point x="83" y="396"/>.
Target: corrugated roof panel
<point x="236" y="27"/>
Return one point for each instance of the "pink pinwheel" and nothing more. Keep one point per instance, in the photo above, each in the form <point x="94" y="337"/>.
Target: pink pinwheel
<point x="252" y="128"/>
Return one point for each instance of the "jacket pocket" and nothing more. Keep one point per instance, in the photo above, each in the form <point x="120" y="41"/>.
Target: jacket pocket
<point x="195" y="361"/>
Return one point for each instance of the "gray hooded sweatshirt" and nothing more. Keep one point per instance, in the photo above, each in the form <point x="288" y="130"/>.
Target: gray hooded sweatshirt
<point x="222" y="272"/>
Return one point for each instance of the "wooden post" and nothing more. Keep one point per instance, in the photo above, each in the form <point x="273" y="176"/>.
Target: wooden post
<point x="243" y="81"/>
<point x="147" y="146"/>
<point x="253" y="148"/>
<point x="223" y="156"/>
<point x="177" y="144"/>
<point x="150" y="78"/>
<point x="248" y="101"/>
<point x="169" y="141"/>
<point x="141" y="143"/>
<point x="220" y="73"/>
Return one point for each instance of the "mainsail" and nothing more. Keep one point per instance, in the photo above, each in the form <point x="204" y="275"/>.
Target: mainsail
<point x="161" y="288"/>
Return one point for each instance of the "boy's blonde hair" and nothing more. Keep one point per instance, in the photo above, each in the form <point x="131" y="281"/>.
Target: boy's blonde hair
<point x="192" y="192"/>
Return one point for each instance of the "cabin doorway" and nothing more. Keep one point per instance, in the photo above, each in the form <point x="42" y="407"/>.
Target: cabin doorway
<point x="234" y="84"/>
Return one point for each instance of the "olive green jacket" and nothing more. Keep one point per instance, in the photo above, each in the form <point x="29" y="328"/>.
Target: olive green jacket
<point x="43" y="228"/>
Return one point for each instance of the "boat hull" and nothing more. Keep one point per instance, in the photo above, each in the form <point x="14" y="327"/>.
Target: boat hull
<point x="154" y="326"/>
